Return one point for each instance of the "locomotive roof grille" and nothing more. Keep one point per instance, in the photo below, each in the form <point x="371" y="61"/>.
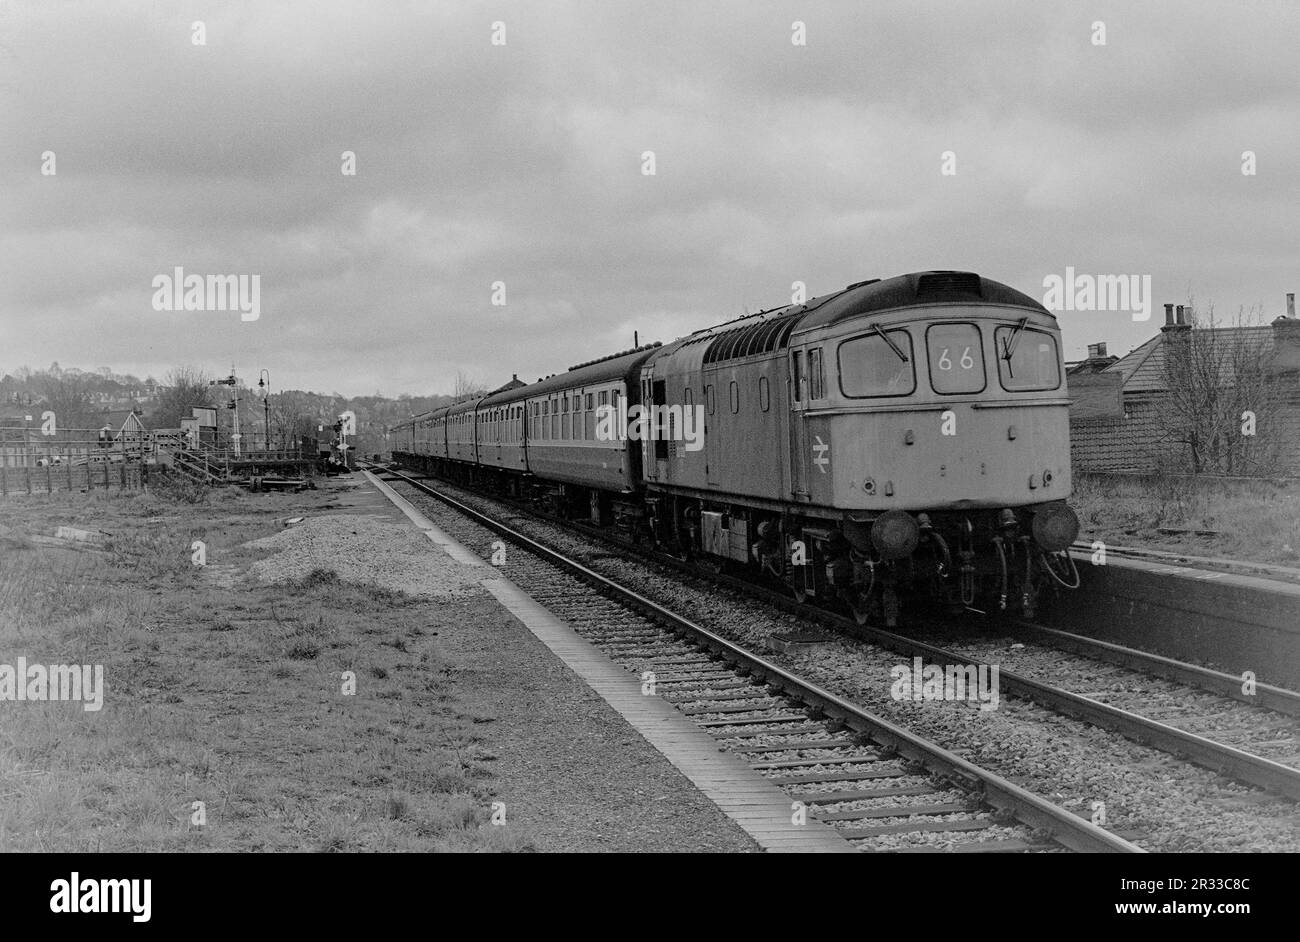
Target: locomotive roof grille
<point x="763" y="337"/>
<point x="946" y="282"/>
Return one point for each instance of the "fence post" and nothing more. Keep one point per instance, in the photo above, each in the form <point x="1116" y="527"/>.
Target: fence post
<point x="4" y="475"/>
<point x="68" y="459"/>
<point x="49" y="480"/>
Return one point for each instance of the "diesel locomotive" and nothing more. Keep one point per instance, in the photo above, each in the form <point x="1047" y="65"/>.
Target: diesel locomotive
<point x="900" y="439"/>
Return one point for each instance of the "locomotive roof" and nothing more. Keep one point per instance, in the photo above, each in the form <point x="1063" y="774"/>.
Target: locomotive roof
<point x="771" y="330"/>
<point x="912" y="290"/>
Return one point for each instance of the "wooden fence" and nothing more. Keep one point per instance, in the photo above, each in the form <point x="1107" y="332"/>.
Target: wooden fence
<point x="71" y="460"/>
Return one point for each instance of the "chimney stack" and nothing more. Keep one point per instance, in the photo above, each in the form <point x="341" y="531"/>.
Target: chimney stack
<point x="1173" y="319"/>
<point x="1097" y="350"/>
<point x="1285" y="357"/>
<point x="1290" y="304"/>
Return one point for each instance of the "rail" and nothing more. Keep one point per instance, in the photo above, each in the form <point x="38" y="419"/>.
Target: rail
<point x="1070" y="830"/>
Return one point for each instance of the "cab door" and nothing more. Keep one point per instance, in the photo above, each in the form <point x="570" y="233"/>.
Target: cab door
<point x="798" y="425"/>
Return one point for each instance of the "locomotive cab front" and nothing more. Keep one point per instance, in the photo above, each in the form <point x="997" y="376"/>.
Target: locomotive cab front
<point x="938" y="432"/>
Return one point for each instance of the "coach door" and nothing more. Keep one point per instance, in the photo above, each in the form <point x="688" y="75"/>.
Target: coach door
<point x="649" y="468"/>
<point x="798" y="425"/>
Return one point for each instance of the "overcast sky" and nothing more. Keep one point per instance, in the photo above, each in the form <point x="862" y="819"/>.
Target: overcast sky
<point x="522" y="163"/>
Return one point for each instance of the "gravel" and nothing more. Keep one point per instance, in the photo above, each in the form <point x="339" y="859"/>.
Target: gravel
<point x="367" y="550"/>
<point x="1158" y="801"/>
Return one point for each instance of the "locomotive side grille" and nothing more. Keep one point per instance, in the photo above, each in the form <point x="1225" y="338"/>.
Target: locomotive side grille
<point x="949" y="282"/>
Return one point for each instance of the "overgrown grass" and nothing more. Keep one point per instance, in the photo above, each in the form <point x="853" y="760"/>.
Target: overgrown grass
<point x="1256" y="521"/>
<point x="224" y="691"/>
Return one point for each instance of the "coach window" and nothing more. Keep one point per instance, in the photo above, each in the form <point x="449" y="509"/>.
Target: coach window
<point x="877" y="364"/>
<point x="956" y="358"/>
<point x="735" y="397"/>
<point x="764" y="394"/>
<point x="1027" y="359"/>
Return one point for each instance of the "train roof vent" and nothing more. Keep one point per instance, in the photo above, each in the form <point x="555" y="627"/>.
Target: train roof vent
<point x="949" y="282"/>
<point x="763" y="337"/>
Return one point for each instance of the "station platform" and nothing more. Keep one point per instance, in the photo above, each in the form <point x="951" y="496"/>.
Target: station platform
<point x="584" y="762"/>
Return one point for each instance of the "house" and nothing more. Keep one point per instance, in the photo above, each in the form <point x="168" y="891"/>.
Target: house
<point x="122" y="427"/>
<point x="515" y="383"/>
<point x="1206" y="399"/>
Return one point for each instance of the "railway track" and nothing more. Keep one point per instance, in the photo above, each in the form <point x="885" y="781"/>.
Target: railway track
<point x="880" y="786"/>
<point x="1232" y="761"/>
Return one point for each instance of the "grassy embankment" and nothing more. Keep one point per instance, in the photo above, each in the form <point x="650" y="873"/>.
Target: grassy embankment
<point x="224" y="691"/>
<point x="1250" y="521"/>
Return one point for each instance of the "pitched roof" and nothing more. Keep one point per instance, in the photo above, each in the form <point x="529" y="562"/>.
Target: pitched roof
<point x="1143" y="368"/>
<point x="117" y="418"/>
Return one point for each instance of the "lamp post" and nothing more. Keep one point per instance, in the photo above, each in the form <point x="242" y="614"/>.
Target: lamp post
<point x="264" y="390"/>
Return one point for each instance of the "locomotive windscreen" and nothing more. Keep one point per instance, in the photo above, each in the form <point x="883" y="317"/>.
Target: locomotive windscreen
<point x="1033" y="362"/>
<point x="873" y="366"/>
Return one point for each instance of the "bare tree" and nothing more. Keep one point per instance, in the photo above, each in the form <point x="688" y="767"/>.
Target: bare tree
<point x="465" y="388"/>
<point x="187" y="388"/>
<point x="1221" y="403"/>
<point x="289" y="423"/>
<point x="68" y="397"/>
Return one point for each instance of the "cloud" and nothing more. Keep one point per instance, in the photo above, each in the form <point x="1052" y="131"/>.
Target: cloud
<point x="522" y="164"/>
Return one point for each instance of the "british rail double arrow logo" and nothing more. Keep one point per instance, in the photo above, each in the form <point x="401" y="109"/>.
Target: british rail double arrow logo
<point x="820" y="459"/>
